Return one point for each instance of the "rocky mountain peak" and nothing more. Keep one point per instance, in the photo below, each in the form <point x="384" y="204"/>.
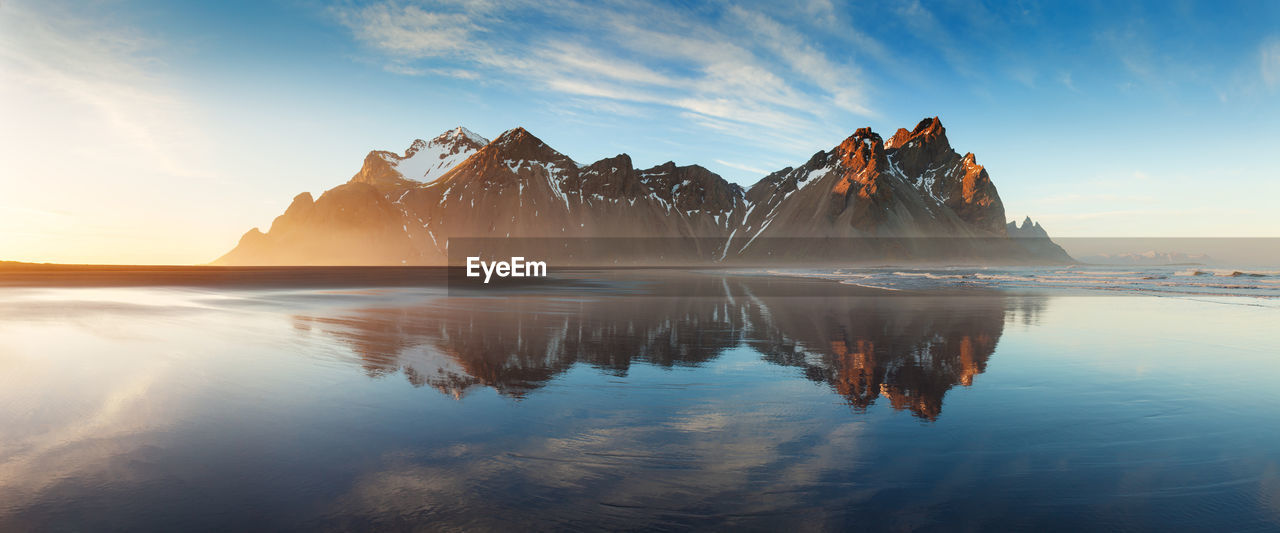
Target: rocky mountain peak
<point x="861" y="148"/>
<point x="518" y="144"/>
<point x="422" y="162"/>
<point x="929" y="130"/>
<point x="858" y="188"/>
<point x="461" y="135"/>
<point x="515" y="156"/>
<point x="1028" y="229"/>
<point x="516" y="134"/>
<point x="615" y="162"/>
<point x="921" y="148"/>
<point x="456" y="140"/>
<point x="669" y="174"/>
<point x="612" y="177"/>
<point x="417" y="146"/>
<point x="691" y="187"/>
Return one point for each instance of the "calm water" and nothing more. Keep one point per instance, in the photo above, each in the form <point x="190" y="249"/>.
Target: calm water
<point x="169" y="408"/>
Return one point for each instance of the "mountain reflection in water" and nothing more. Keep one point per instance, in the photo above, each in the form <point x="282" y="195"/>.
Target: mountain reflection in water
<point x="908" y="350"/>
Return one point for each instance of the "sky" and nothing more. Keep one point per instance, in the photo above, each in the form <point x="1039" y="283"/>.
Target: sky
<point x="159" y="132"/>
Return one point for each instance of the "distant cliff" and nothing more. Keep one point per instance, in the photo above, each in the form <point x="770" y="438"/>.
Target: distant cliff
<point x="1148" y="258"/>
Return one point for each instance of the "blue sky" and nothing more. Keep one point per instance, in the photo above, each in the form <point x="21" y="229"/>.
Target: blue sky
<point x="161" y="131"/>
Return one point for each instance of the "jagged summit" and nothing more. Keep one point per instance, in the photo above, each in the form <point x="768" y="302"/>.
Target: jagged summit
<point x="509" y="152"/>
<point x="513" y="133"/>
<point x="863" y="147"/>
<point x="517" y="138"/>
<point x="928" y="130"/>
<point x="415" y="147"/>
<point x="456" y="139"/>
<point x="422" y="162"/>
<point x="914" y="150"/>
<point x="460" y="133"/>
<point x="520" y="144"/>
<point x="1027" y="229"/>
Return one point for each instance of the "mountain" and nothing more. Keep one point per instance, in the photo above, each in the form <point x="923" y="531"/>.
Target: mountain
<point x="1033" y="238"/>
<point x="914" y="184"/>
<point x="865" y="198"/>
<point x="1029" y="229"/>
<point x="357" y="222"/>
<point x="422" y="162"/>
<point x="1149" y="258"/>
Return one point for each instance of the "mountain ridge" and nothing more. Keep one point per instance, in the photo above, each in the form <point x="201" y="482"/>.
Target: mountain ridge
<point x="403" y="208"/>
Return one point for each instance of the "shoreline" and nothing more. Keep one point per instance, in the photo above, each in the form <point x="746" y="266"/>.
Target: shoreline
<point x="664" y="281"/>
<point x="635" y="281"/>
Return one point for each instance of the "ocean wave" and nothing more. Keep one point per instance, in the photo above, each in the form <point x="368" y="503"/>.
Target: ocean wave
<point x="934" y="276"/>
<point x="1226" y="273"/>
<point x="1099" y="273"/>
<point x="1252" y="283"/>
<point x="1238" y="274"/>
<point x="869" y="285"/>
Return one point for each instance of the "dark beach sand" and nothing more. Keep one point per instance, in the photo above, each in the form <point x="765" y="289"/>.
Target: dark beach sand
<point x="658" y="281"/>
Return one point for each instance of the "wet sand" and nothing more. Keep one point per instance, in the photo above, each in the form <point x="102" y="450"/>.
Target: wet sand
<point x="657" y="281"/>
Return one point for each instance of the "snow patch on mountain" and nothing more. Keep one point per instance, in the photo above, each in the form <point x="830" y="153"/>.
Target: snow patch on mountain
<point x="426" y="161"/>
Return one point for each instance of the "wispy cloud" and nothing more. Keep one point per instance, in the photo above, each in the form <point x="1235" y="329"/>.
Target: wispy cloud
<point x="1130" y="214"/>
<point x="737" y="71"/>
<point x="1270" y="62"/>
<point x="842" y="83"/>
<point x="105" y="72"/>
<point x="1065" y="78"/>
<point x="751" y="169"/>
<point x="412" y="31"/>
<point x="922" y="24"/>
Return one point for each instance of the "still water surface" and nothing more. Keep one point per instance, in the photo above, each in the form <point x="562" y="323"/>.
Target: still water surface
<point x="172" y="408"/>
